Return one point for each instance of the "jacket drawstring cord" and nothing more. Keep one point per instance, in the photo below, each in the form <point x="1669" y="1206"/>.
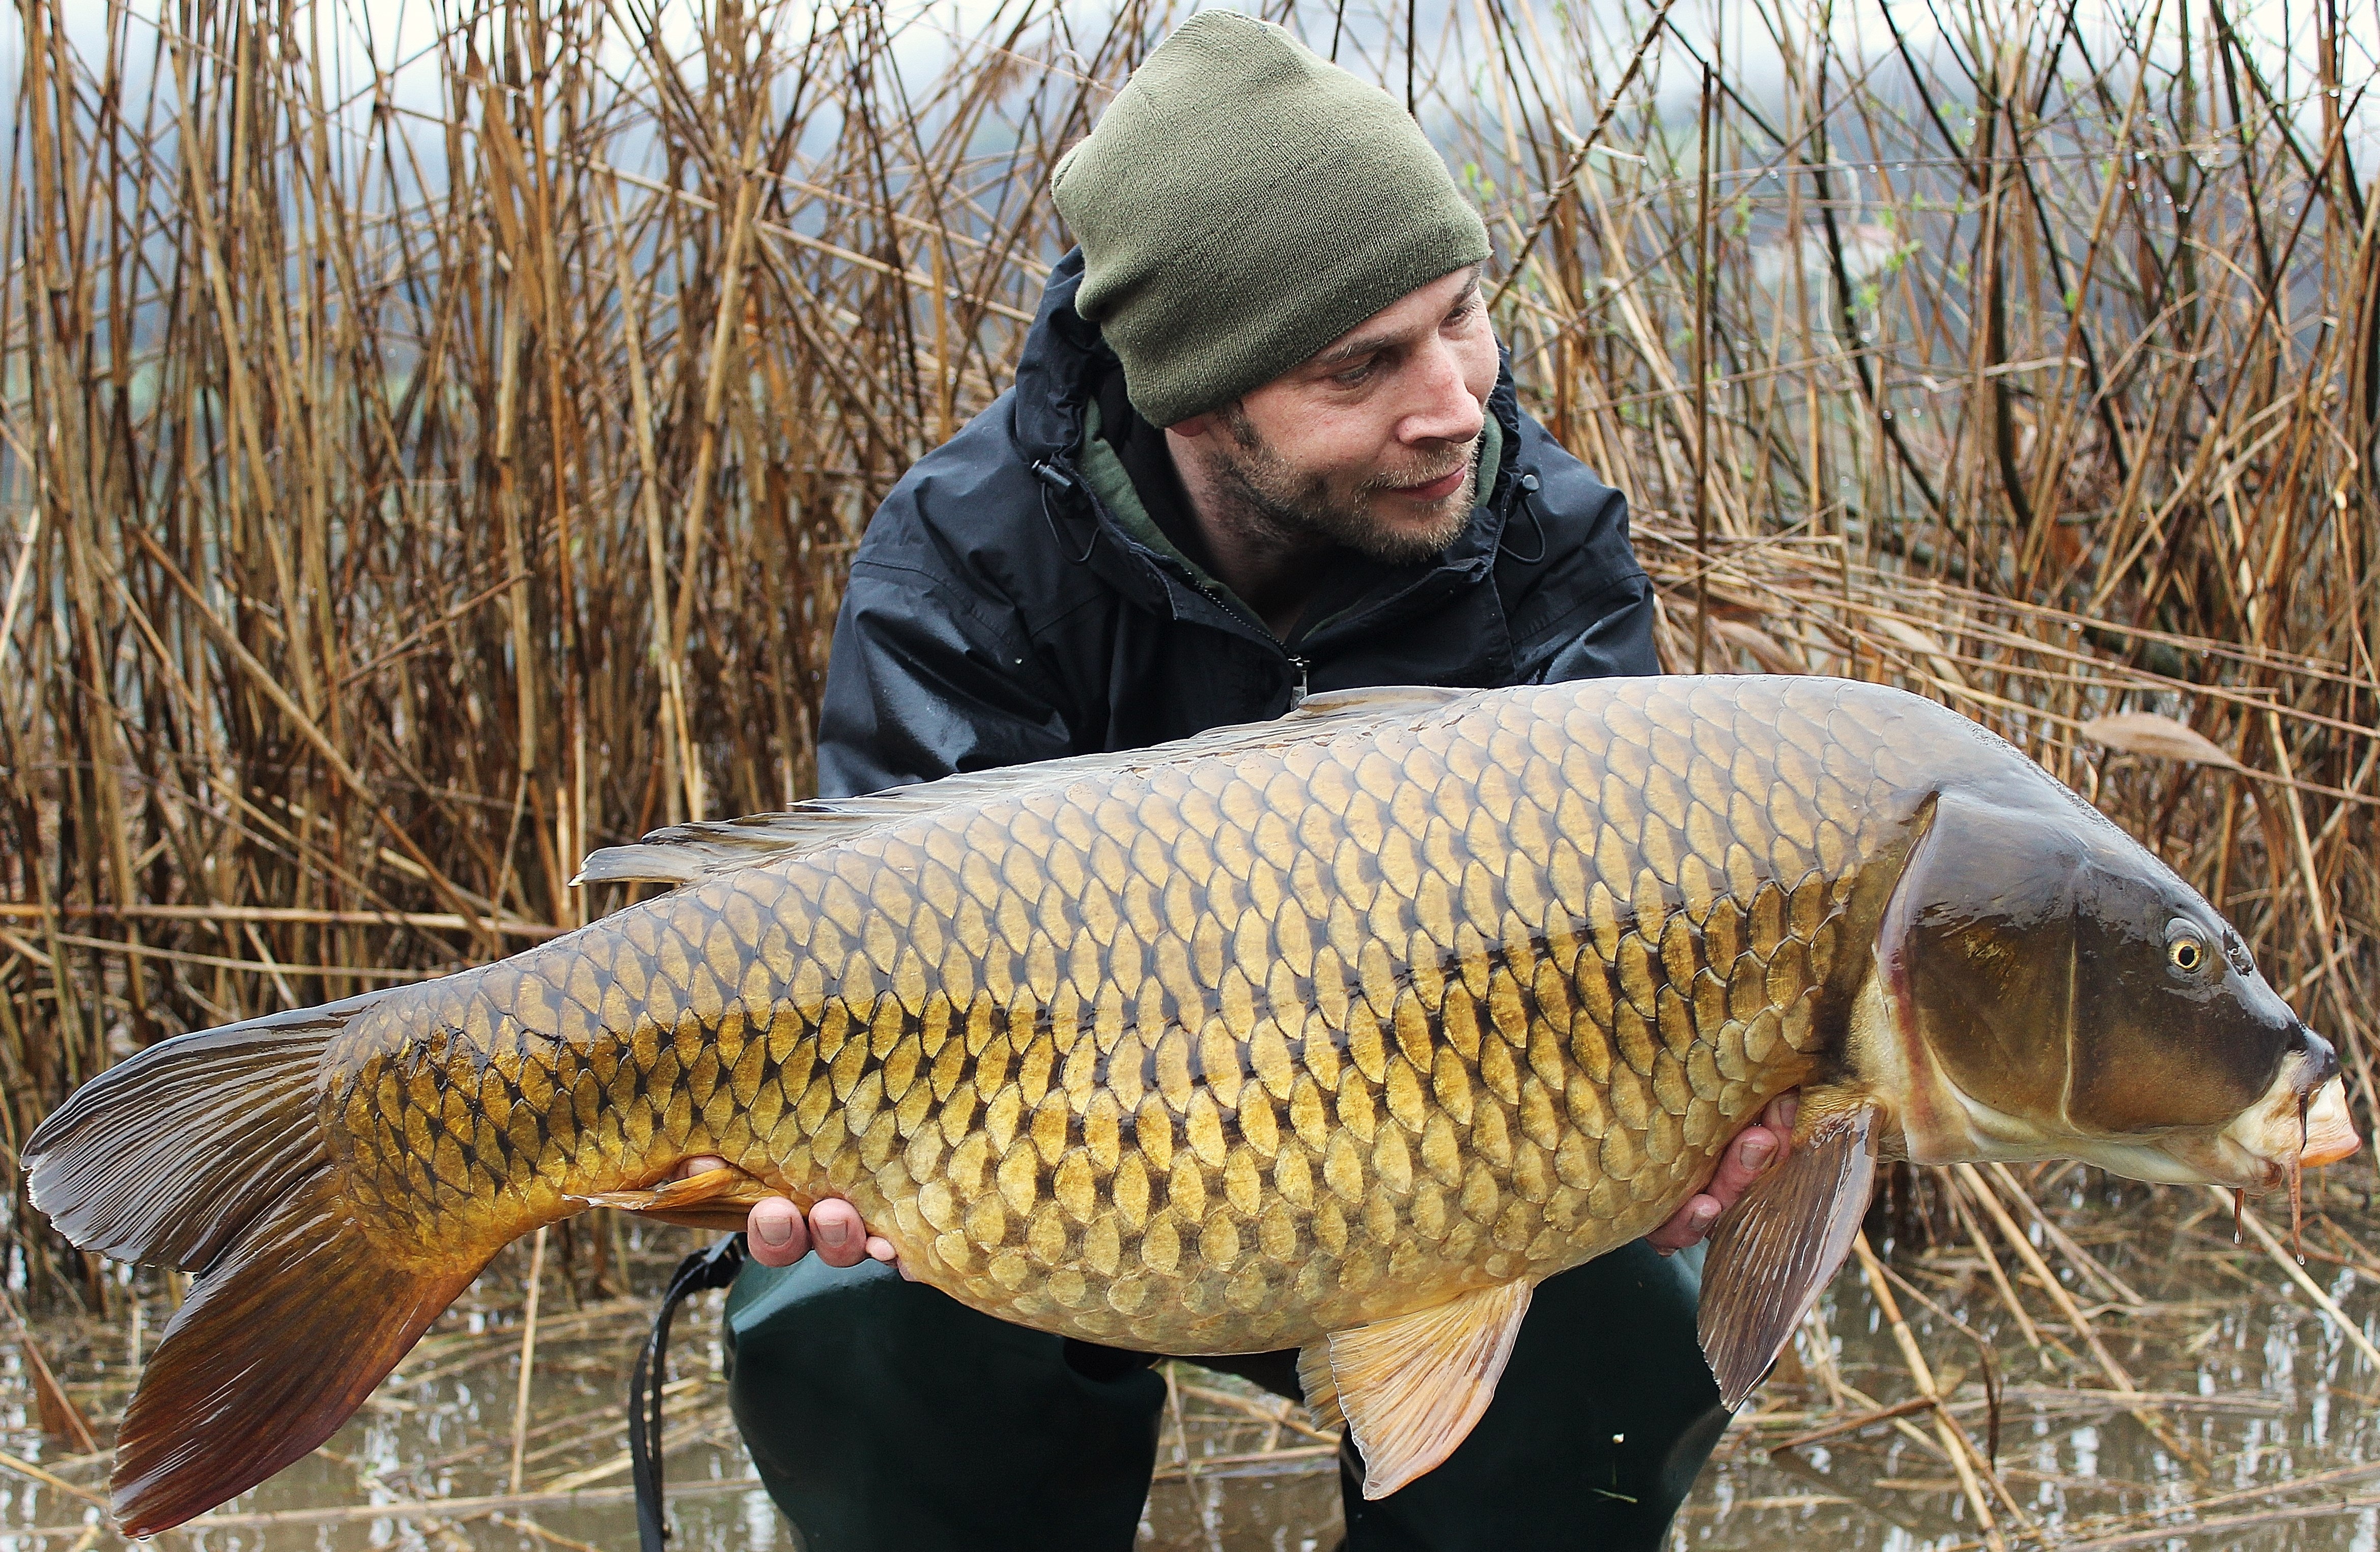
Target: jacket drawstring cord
<point x="1055" y="482"/>
<point x="1522" y="489"/>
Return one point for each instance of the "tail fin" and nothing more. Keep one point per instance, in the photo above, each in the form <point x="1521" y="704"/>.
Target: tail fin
<point x="278" y="1345"/>
<point x="207" y="1152"/>
<point x="165" y="1158"/>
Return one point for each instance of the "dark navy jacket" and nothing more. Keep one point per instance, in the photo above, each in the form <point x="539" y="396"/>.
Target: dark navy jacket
<point x="1000" y="611"/>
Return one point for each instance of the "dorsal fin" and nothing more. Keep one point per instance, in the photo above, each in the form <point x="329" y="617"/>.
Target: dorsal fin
<point x="682" y="854"/>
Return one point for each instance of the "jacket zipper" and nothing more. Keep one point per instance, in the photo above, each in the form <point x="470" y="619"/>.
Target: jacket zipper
<point x="1304" y="666"/>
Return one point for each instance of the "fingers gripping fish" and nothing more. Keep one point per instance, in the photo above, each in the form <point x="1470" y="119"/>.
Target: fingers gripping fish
<point x="1339" y="1033"/>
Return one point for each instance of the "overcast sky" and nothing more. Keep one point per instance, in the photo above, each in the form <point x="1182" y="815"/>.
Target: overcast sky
<point x="399" y="38"/>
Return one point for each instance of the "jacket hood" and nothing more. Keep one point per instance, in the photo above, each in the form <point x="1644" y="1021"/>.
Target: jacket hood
<point x="998" y="611"/>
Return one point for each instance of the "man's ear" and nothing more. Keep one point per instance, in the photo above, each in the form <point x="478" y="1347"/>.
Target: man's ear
<point x="1197" y="426"/>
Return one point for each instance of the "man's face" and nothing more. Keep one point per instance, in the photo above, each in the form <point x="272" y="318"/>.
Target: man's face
<point x="1370" y="443"/>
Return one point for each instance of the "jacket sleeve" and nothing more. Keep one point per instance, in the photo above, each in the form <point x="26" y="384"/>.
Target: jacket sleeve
<point x="1579" y="606"/>
<point x="924" y="682"/>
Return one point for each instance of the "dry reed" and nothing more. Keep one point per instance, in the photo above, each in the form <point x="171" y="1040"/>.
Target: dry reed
<point x="422" y="467"/>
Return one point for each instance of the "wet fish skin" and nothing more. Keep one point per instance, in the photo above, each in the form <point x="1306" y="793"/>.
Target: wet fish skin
<point x="1212" y="1057"/>
<point x="1283" y="1033"/>
<point x="2046" y="988"/>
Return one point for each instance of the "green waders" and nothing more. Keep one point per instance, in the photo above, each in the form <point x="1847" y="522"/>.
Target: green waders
<point x="887" y="1417"/>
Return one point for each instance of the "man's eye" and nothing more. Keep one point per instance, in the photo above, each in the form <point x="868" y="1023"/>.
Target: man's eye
<point x="1352" y="376"/>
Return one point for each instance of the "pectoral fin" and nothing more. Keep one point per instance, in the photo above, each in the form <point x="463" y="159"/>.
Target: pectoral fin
<point x="711" y="1199"/>
<point x="1773" y="1252"/>
<point x="1410" y="1387"/>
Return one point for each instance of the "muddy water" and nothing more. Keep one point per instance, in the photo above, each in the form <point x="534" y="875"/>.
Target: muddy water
<point x="2252" y="1426"/>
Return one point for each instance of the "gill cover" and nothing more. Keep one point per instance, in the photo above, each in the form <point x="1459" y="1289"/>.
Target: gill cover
<point x="2066" y="982"/>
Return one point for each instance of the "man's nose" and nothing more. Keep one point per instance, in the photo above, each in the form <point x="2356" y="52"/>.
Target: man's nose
<point x="1443" y="407"/>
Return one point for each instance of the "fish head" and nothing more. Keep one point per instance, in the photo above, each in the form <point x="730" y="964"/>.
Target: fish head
<point x="2048" y="988"/>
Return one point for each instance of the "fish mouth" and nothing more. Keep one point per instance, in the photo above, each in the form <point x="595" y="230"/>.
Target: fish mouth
<point x="2330" y="1128"/>
<point x="2300" y="1122"/>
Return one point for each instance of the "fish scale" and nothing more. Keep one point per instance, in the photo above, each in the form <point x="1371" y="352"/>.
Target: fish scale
<point x="1203" y="1057"/>
<point x="1339" y="1032"/>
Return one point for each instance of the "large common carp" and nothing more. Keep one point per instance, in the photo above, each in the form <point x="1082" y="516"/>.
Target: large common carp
<point x="1340" y="1032"/>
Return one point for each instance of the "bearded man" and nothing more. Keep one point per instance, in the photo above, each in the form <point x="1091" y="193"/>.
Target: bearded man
<point x="1262" y="442"/>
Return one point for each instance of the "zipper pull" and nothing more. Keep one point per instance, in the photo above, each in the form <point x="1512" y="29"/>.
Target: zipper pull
<point x="1297" y="691"/>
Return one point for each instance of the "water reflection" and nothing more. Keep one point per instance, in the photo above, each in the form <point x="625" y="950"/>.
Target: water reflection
<point x="2249" y="1423"/>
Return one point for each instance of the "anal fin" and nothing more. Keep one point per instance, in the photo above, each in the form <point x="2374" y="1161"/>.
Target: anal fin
<point x="1776" y="1250"/>
<point x="1411" y="1387"/>
<point x="710" y="1199"/>
<point x="1321" y="1392"/>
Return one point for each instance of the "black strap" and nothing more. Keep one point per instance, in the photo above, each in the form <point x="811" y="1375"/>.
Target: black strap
<point x="713" y="1267"/>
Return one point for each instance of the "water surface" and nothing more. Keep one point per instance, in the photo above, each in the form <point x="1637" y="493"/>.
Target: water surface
<point x="2249" y="1424"/>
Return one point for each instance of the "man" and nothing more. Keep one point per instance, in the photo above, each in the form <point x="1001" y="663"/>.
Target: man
<point x="1261" y="443"/>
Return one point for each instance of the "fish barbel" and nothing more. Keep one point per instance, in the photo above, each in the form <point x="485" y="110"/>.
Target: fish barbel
<point x="1340" y="1032"/>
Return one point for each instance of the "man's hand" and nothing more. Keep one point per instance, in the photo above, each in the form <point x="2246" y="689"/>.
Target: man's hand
<point x="1754" y="1151"/>
<point x="777" y="1235"/>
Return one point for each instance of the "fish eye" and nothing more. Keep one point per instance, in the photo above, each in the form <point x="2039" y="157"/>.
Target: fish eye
<point x="2184" y="948"/>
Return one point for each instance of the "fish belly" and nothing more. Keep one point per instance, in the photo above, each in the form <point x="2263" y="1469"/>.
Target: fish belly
<point x="1215" y="1055"/>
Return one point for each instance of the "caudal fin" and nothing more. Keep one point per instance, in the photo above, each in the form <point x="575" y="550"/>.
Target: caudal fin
<point x="207" y="1152"/>
<point x="278" y="1345"/>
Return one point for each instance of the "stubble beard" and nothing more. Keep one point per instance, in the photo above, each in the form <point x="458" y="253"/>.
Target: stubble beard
<point x="1292" y="510"/>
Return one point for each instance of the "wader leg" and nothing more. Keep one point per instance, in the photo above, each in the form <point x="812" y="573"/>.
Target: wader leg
<point x="887" y="1417"/>
<point x="1599" y="1423"/>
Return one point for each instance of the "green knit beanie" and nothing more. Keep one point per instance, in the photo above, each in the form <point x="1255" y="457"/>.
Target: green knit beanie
<point x="1240" y="204"/>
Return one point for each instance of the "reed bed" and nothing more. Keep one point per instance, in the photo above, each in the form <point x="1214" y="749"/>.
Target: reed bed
<point x="430" y="448"/>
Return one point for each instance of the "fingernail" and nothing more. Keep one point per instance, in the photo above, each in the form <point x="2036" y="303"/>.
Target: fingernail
<point x="832" y="1232"/>
<point x="1756" y="1151"/>
<point x="773" y="1232"/>
<point x="1702" y="1215"/>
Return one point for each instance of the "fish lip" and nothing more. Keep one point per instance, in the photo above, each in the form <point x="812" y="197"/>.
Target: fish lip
<point x="2222" y="1158"/>
<point x="2300" y="1121"/>
<point x="2328" y="1125"/>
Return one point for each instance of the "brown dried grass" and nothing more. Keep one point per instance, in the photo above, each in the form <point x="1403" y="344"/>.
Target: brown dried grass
<point x="420" y="470"/>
